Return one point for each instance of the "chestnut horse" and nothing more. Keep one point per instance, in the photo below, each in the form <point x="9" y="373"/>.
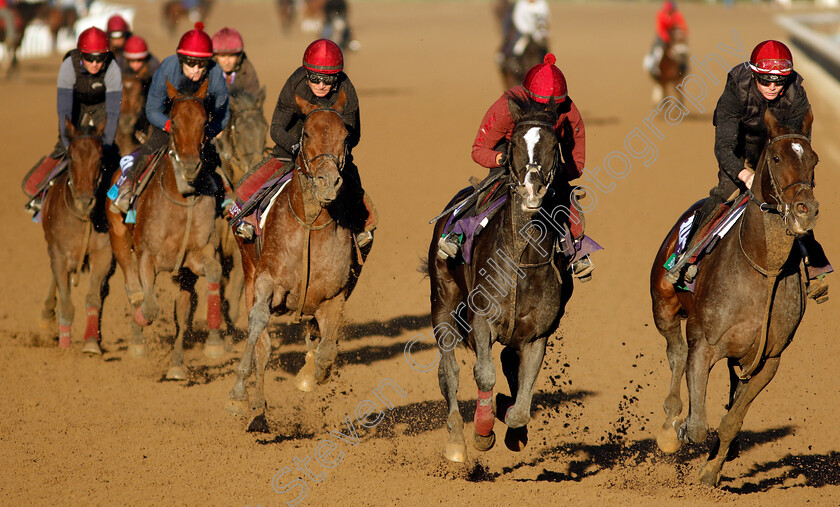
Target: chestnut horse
<point x="672" y="66"/>
<point x="513" y="292"/>
<point x="749" y="296"/>
<point x="241" y="146"/>
<point x="307" y="264"/>
<point x="131" y="112"/>
<point x="68" y="220"/>
<point x="174" y="232"/>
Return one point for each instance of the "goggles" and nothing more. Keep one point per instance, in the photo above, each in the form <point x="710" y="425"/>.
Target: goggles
<point x="327" y="79"/>
<point x="768" y="79"/>
<point x="772" y="66"/>
<point x="94" y="57"/>
<point x="190" y="61"/>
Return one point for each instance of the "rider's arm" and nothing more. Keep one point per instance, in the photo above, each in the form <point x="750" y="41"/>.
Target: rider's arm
<point x="801" y="105"/>
<point x="64" y="106"/>
<point x="573" y="142"/>
<point x="246" y="79"/>
<point x="219" y="115"/>
<point x="679" y="21"/>
<point x="284" y="113"/>
<point x="113" y="100"/>
<point x="494" y="127"/>
<point x="351" y="114"/>
<point x="727" y="119"/>
<point x="156" y="100"/>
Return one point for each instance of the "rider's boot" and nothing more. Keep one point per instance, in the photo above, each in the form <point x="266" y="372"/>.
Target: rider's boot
<point x="449" y="245"/>
<point x="122" y="202"/>
<point x="582" y="269"/>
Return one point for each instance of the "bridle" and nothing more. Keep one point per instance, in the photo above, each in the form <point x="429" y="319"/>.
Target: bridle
<point x="781" y="207"/>
<point x="240" y="113"/>
<point x="306" y="170"/>
<point x="71" y="187"/>
<point x="177" y="165"/>
<point x="513" y="181"/>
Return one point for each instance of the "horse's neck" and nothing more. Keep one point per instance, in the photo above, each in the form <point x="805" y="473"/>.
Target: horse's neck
<point x="304" y="202"/>
<point x="764" y="238"/>
<point x="517" y="227"/>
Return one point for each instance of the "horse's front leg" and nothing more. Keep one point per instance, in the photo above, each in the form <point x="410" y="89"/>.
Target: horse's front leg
<point x="47" y="323"/>
<point x="517" y="417"/>
<point x="695" y="429"/>
<point x="100" y="259"/>
<point x="183" y="310"/>
<point x="61" y="274"/>
<point x="485" y="379"/>
<point x="214" y="346"/>
<point x="147" y="311"/>
<point x="330" y="316"/>
<point x="257" y="322"/>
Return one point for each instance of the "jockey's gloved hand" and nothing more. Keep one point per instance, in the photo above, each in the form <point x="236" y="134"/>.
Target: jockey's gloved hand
<point x="295" y="148"/>
<point x="503" y="160"/>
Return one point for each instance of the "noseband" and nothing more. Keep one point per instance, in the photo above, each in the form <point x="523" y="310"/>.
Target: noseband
<point x="307" y="164"/>
<point x="781" y="207"/>
<point x="71" y="187"/>
<point x="513" y="181"/>
<point x="173" y="154"/>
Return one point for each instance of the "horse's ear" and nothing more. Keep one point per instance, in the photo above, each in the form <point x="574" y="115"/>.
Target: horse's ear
<point x="69" y="128"/>
<point x="171" y="90"/>
<point x="773" y="127"/>
<point x="515" y="109"/>
<point x="552" y="105"/>
<point x="202" y="90"/>
<point x="807" y="121"/>
<point x="340" y="102"/>
<point x="261" y="98"/>
<point x="304" y="106"/>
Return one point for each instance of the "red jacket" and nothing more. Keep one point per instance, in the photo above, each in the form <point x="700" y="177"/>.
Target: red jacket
<point x="498" y="124"/>
<point x="667" y="21"/>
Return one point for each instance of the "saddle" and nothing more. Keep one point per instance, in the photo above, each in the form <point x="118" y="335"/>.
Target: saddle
<point x="42" y="173"/>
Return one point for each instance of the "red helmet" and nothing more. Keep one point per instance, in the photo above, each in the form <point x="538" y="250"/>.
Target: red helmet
<point x="117" y="26"/>
<point x="227" y="41"/>
<point x="93" y="41"/>
<point x="136" y="48"/>
<point x="323" y="57"/>
<point x="196" y="43"/>
<point x="771" y="60"/>
<point x="545" y="81"/>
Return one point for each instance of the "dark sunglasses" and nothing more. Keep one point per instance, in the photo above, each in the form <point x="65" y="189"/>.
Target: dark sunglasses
<point x="95" y="57"/>
<point x="195" y="62"/>
<point x="327" y="79"/>
<point x="767" y="81"/>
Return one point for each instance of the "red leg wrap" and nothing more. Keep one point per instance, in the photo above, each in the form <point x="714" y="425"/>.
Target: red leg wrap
<point x="214" y="306"/>
<point x="64" y="336"/>
<point x="92" y="328"/>
<point x="484" y="418"/>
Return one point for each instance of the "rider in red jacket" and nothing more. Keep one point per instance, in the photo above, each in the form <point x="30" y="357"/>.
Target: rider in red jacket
<point x="667" y="19"/>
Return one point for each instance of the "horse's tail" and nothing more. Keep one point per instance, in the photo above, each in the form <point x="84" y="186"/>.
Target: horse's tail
<point x="423" y="268"/>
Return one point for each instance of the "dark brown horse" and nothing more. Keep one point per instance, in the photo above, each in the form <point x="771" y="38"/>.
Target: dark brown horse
<point x="131" y="112"/>
<point x="749" y="296"/>
<point x="673" y="66"/>
<point x="241" y="146"/>
<point x="174" y="232"/>
<point x="24" y="14"/>
<point x="514" y="291"/>
<point x="306" y="265"/>
<point x="67" y="217"/>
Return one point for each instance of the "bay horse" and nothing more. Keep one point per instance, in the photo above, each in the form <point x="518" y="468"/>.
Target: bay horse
<point x="749" y="296"/>
<point x="241" y="146"/>
<point x="673" y="66"/>
<point x="131" y="112"/>
<point x="174" y="232"/>
<point x="307" y="265"/>
<point x="514" y="292"/>
<point x="68" y="218"/>
<point x="24" y="14"/>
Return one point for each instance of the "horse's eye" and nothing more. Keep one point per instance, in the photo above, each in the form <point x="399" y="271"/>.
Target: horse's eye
<point x="775" y="159"/>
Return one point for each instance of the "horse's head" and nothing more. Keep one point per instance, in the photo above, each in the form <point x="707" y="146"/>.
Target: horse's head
<point x="784" y="179"/>
<point x="132" y="105"/>
<point x="85" y="156"/>
<point x="532" y="152"/>
<point x="678" y="47"/>
<point x="247" y="130"/>
<point x="186" y="134"/>
<point x="323" y="147"/>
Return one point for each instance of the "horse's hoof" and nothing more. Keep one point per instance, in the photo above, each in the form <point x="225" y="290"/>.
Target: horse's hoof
<point x="305" y="383"/>
<point x="258" y="425"/>
<point x="92" y="347"/>
<point x="176" y="373"/>
<point x="708" y="477"/>
<point x="214" y="350"/>
<point x="455" y="452"/>
<point x="516" y="438"/>
<point x="237" y="407"/>
<point x="48" y="325"/>
<point x="140" y="319"/>
<point x="483" y="443"/>
<point x="667" y="438"/>
<point x="138" y="350"/>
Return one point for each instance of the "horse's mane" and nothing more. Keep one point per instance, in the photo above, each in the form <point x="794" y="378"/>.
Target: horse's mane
<point x="532" y="110"/>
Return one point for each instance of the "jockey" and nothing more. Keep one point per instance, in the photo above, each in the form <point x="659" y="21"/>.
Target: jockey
<point x="769" y="82"/>
<point x="89" y="85"/>
<point x="118" y="31"/>
<point x="542" y="83"/>
<point x="187" y="70"/>
<point x="319" y="81"/>
<point x="667" y="19"/>
<point x="229" y="53"/>
<point x="139" y="62"/>
<point x="527" y="19"/>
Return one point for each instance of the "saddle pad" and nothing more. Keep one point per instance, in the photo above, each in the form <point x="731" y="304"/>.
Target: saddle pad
<point x="262" y="214"/>
<point x="41" y="174"/>
<point x="469" y="227"/>
<point x="717" y="229"/>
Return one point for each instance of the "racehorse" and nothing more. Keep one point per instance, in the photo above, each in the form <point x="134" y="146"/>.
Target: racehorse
<point x="176" y="10"/>
<point x="514" y="291"/>
<point x="131" y="111"/>
<point x="749" y="296"/>
<point x="514" y="67"/>
<point x="672" y="66"/>
<point x="240" y="146"/>
<point x="308" y="262"/>
<point x="68" y="219"/>
<point x="174" y="232"/>
<point x="24" y="14"/>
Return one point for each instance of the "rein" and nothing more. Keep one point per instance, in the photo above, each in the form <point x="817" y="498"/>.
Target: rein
<point x="329" y="156"/>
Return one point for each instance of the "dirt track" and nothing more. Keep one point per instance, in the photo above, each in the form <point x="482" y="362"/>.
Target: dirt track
<point x="78" y="429"/>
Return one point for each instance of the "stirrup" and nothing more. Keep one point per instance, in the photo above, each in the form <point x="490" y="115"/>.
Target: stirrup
<point x="33" y="206"/>
<point x="449" y="246"/>
<point x="582" y="269"/>
<point x="818" y="290"/>
<point x="244" y="230"/>
<point x="364" y="238"/>
<point x="122" y="203"/>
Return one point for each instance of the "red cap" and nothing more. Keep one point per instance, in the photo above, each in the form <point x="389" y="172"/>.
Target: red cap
<point x="196" y="43"/>
<point x="227" y="41"/>
<point x="93" y="41"/>
<point x="771" y="57"/>
<point x="323" y="57"/>
<point x="545" y="81"/>
<point x="117" y="26"/>
<point x="135" y="48"/>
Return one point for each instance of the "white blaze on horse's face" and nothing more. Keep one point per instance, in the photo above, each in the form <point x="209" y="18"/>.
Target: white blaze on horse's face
<point x="535" y="188"/>
<point x="532" y="137"/>
<point x="797" y="148"/>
